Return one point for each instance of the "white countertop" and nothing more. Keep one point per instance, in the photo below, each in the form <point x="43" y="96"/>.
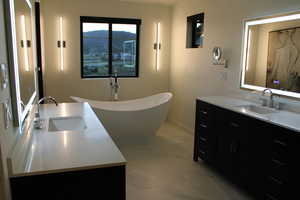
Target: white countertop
<point x="281" y="118"/>
<point x="52" y="152"/>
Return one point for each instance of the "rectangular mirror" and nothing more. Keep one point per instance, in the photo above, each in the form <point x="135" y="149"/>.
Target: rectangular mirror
<point x="21" y="17"/>
<point x="271" y="54"/>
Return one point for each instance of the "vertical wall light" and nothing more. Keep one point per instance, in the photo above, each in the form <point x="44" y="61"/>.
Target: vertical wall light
<point x="249" y="49"/>
<point x="61" y="44"/>
<point x="24" y="43"/>
<point x="157" y="46"/>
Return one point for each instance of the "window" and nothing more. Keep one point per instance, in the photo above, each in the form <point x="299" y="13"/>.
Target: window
<point x="194" y="34"/>
<point x="109" y="46"/>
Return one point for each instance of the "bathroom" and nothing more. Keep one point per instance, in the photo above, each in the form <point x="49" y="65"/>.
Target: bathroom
<point x="101" y="151"/>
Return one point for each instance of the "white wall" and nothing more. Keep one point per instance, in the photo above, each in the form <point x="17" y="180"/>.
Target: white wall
<point x="192" y="72"/>
<point x="69" y="83"/>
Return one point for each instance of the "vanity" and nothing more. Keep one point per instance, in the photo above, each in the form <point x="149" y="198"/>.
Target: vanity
<point x="70" y="157"/>
<point x="256" y="145"/>
<point x="253" y="146"/>
<point x="60" y="151"/>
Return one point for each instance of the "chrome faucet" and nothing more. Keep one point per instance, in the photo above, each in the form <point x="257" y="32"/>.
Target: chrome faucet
<point x="271" y="100"/>
<point x="114" y="84"/>
<point x="37" y="120"/>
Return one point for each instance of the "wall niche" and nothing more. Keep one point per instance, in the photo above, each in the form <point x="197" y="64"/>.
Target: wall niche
<point x="194" y="33"/>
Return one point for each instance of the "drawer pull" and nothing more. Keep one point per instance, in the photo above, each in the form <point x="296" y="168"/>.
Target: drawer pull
<point x="270" y="197"/>
<point x="202" y="152"/>
<point x="278" y="162"/>
<point x="234" y="125"/>
<point x="280" y="143"/>
<point x="203" y="139"/>
<point x="275" y="180"/>
<point x="203" y="126"/>
<point x="203" y="112"/>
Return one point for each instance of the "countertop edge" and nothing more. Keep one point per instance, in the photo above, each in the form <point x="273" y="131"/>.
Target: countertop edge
<point x="56" y="171"/>
<point x="42" y="170"/>
<point x="204" y="99"/>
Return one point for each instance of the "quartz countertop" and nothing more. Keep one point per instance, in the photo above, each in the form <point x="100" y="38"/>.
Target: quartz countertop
<point x="282" y="118"/>
<point x="53" y="152"/>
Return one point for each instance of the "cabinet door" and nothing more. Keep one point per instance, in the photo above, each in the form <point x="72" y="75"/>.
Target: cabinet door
<point x="240" y="150"/>
<point x="294" y="173"/>
<point x="234" y="145"/>
<point x="246" y="150"/>
<point x="255" y="162"/>
<point x="225" y="142"/>
<point x="281" y="174"/>
<point x="204" y="132"/>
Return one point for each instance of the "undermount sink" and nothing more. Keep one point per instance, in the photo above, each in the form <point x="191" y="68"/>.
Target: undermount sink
<point x="66" y="124"/>
<point x="257" y="109"/>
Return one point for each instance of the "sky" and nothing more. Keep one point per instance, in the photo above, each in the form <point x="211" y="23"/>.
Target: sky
<point x="87" y="27"/>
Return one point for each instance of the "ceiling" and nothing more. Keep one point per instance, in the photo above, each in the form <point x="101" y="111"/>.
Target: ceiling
<point x="164" y="2"/>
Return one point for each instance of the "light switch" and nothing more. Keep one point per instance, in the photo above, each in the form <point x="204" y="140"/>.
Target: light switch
<point x="3" y="76"/>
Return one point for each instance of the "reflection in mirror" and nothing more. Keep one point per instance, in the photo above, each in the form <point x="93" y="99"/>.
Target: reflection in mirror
<point x="24" y="50"/>
<point x="272" y="54"/>
<point x="23" y="56"/>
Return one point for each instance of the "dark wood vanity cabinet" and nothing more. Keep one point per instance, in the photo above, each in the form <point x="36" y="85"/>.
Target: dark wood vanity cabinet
<point x="101" y="183"/>
<point x="205" y="133"/>
<point x="256" y="155"/>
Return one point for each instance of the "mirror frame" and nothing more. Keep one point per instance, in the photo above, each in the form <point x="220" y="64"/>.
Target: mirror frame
<point x="256" y="21"/>
<point x="19" y="114"/>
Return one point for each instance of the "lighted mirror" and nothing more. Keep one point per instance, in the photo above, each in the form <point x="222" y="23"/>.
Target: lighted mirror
<point x="23" y="56"/>
<point x="271" y="54"/>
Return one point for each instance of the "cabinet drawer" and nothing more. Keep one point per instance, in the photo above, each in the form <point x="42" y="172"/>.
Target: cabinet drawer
<point x="237" y="123"/>
<point x="203" y="118"/>
<point x="275" y="188"/>
<point x="280" y="156"/>
<point x="202" y="125"/>
<point x="204" y="112"/>
<point x="279" y="170"/>
<point x="202" y="143"/>
<point x="203" y="154"/>
<point x="202" y="128"/>
<point x="280" y="146"/>
<point x="269" y="197"/>
<point x="280" y="141"/>
<point x="279" y="152"/>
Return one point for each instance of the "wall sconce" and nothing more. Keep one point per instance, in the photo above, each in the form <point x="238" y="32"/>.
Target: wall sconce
<point x="61" y="44"/>
<point x="25" y="43"/>
<point x="157" y="46"/>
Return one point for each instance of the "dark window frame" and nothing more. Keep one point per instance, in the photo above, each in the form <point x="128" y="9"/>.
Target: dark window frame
<point x="191" y="27"/>
<point x="110" y="22"/>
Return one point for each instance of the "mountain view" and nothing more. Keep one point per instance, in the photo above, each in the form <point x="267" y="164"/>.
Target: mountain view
<point x="97" y="41"/>
<point x="95" y="52"/>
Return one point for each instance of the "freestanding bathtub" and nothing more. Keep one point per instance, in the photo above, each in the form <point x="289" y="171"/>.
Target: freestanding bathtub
<point x="139" y="117"/>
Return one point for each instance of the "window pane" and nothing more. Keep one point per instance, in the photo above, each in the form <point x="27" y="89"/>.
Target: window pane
<point x="95" y="49"/>
<point x="124" y="49"/>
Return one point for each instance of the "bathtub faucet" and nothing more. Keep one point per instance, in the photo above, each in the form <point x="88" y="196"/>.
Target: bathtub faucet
<point x="114" y="85"/>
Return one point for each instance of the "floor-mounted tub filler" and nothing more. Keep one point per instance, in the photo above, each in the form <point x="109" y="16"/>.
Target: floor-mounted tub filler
<point x="138" y="117"/>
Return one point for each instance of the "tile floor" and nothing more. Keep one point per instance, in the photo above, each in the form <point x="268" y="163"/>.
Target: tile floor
<point x="162" y="168"/>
